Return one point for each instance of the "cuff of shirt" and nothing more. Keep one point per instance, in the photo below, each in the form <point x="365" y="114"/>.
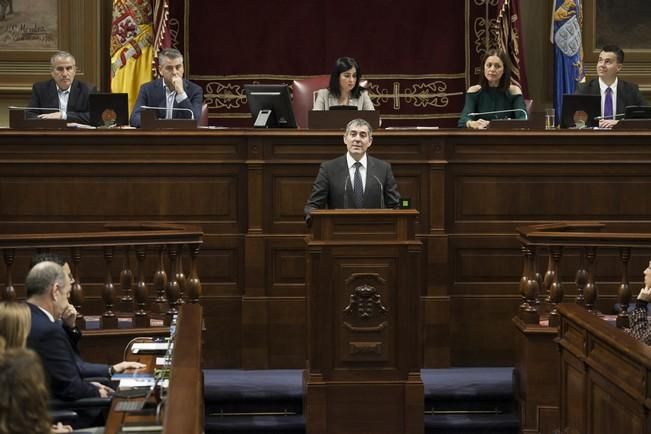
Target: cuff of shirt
<point x="181" y="97"/>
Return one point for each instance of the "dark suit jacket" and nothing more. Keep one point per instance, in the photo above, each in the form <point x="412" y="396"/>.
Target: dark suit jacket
<point x="333" y="187"/>
<point x="153" y="95"/>
<point x="95" y="371"/>
<point x="51" y="343"/>
<point x="627" y="93"/>
<point x="45" y="95"/>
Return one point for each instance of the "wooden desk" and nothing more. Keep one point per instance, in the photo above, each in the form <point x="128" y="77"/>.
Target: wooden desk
<point x="183" y="409"/>
<point x="247" y="190"/>
<point x="604" y="376"/>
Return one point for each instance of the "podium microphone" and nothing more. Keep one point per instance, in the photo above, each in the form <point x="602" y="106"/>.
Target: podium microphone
<point x="181" y="109"/>
<point x="523" y="111"/>
<point x="381" y="192"/>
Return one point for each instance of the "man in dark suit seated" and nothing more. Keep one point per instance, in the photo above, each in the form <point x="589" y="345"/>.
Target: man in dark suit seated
<point x="66" y="97"/>
<point x="354" y="180"/>
<point x="616" y="94"/>
<point x="181" y="98"/>
<point x="48" y="290"/>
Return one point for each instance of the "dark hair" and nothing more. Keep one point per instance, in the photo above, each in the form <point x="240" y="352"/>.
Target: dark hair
<point x="344" y="64"/>
<point x="505" y="81"/>
<point x="24" y="393"/>
<point x="614" y="49"/>
<point x="49" y="257"/>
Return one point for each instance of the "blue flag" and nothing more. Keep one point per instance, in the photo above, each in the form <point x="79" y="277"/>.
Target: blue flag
<point x="567" y="21"/>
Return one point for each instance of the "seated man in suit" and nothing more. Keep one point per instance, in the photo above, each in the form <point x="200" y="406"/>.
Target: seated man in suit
<point x="48" y="290"/>
<point x="354" y="180"/>
<point x="67" y="97"/>
<point x="182" y="98"/>
<point x="616" y="94"/>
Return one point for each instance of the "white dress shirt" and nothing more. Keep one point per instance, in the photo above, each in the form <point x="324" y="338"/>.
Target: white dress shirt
<point x="613" y="93"/>
<point x="362" y="169"/>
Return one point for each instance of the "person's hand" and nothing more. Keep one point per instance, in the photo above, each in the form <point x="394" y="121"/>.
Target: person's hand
<point x="69" y="316"/>
<point x="177" y="82"/>
<point x="104" y="391"/>
<point x="61" y="428"/>
<point x="607" y="123"/>
<point x="645" y="294"/>
<point x="122" y="366"/>
<point x="479" y="124"/>
<point x="55" y="115"/>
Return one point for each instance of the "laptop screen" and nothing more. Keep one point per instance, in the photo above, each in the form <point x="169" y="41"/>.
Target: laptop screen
<point x="108" y="109"/>
<point x="580" y="111"/>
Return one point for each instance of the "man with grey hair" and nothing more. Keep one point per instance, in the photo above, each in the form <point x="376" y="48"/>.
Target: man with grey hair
<point x="48" y="289"/>
<point x="65" y="97"/>
<point x="176" y="97"/>
<point x="354" y="180"/>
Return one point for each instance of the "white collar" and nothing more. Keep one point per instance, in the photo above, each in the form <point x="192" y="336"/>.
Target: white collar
<point x="352" y="161"/>
<point x="49" y="315"/>
<point x="603" y="86"/>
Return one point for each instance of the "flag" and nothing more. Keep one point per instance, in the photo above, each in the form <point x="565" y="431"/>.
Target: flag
<point x="139" y="30"/>
<point x="508" y="35"/>
<point x="567" y="22"/>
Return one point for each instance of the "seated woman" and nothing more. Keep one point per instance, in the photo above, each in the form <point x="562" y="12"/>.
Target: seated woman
<point x="23" y="389"/>
<point x="640" y="327"/>
<point x="494" y="93"/>
<point x="344" y="88"/>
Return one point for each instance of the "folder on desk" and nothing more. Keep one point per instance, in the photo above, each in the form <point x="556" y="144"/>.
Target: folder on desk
<point x="150" y="347"/>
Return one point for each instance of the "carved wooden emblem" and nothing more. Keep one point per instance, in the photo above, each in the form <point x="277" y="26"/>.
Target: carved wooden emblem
<point x="365" y="303"/>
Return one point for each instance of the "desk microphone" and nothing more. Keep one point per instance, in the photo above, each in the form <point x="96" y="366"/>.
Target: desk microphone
<point x="39" y="109"/>
<point x="181" y="109"/>
<point x="346" y="191"/>
<point x="617" y="116"/>
<point x="381" y="191"/>
<point x="526" y="115"/>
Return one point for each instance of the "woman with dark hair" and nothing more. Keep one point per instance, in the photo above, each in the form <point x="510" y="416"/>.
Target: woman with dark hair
<point x="23" y="393"/>
<point x="494" y="93"/>
<point x="344" y="88"/>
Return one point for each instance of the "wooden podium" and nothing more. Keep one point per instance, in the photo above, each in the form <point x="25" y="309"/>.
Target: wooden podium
<point x="364" y="339"/>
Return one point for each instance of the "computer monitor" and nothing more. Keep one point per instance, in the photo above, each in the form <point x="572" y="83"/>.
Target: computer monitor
<point x="270" y="105"/>
<point x="580" y="111"/>
<point x="108" y="109"/>
<point x="637" y="112"/>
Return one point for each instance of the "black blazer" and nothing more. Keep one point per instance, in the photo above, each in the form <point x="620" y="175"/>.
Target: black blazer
<point x="627" y="93"/>
<point x="153" y="95"/>
<point x="45" y="95"/>
<point x="333" y="187"/>
<point x="53" y="346"/>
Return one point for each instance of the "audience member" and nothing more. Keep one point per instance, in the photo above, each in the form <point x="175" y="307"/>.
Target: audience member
<point x="15" y="321"/>
<point x="181" y="98"/>
<point x="344" y="88"/>
<point x="640" y="327"/>
<point x="48" y="289"/>
<point x="354" y="180"/>
<point x="494" y="93"/>
<point x="616" y="94"/>
<point x="24" y="395"/>
<point x="67" y="97"/>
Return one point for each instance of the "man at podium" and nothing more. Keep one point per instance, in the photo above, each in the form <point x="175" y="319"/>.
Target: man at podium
<point x="354" y="180"/>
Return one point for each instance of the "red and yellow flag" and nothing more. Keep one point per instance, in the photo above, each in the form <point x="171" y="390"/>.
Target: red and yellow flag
<point x="138" y="32"/>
